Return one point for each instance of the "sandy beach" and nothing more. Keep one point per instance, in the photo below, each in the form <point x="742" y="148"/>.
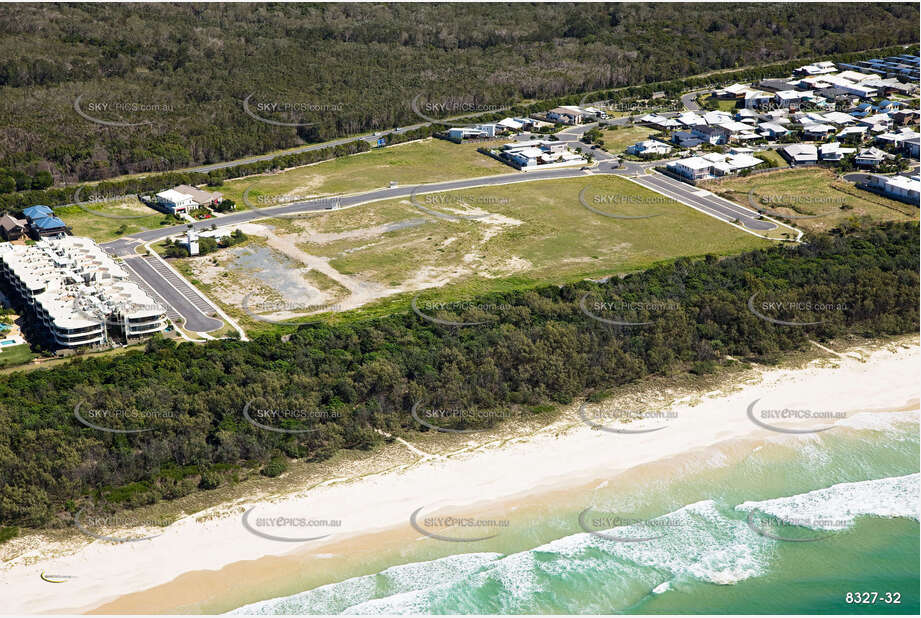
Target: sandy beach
<point x="210" y="553"/>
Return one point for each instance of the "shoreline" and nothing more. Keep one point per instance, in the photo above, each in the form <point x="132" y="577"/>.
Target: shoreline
<point x="563" y="458"/>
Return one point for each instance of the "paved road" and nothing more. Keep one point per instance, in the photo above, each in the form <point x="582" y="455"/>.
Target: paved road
<point x="125" y="246"/>
<point x="718" y="207"/>
<point x="689" y="100"/>
<point x="176" y="293"/>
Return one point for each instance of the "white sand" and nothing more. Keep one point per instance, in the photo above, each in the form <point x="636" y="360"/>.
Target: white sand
<point x="883" y="380"/>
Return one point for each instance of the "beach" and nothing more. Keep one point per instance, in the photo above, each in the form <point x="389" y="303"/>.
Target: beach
<point x="256" y="549"/>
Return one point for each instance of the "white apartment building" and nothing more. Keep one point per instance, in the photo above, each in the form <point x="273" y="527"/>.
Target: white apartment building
<point x="78" y="293"/>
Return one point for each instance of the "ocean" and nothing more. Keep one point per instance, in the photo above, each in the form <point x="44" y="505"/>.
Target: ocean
<point x="814" y="523"/>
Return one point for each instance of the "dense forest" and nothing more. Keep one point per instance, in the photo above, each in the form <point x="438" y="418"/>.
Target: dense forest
<point x="535" y="348"/>
<point x="176" y="76"/>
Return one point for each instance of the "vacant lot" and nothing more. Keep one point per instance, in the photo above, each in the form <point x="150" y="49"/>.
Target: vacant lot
<point x="617" y="140"/>
<point x="378" y="255"/>
<point x="104" y="221"/>
<point x="430" y="160"/>
<point x="808" y="192"/>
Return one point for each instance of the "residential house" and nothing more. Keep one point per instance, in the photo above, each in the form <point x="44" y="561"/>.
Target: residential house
<point x="817" y="131"/>
<point x="870" y="157"/>
<point x="714" y="134"/>
<point x="788" y="99"/>
<point x="772" y="130"/>
<point x="204" y="199"/>
<point x="817" y="68"/>
<point x="758" y="99"/>
<point x="690" y="119"/>
<point x="566" y="114"/>
<point x="175" y="202"/>
<point x="12" y="228"/>
<point x="800" y="154"/>
<point x="855" y="133"/>
<point x="45" y="227"/>
<point x="906" y="116"/>
<point x="684" y="139"/>
<point x="694" y="168"/>
<point x="834" y="152"/>
<point x="648" y="148"/>
<point x="888" y="106"/>
<point x="775" y="85"/>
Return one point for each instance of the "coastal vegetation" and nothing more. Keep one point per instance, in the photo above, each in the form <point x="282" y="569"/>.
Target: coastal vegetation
<point x="171" y="81"/>
<point x="200" y="413"/>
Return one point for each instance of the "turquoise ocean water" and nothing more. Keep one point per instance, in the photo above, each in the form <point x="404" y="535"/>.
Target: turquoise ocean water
<point x="790" y="524"/>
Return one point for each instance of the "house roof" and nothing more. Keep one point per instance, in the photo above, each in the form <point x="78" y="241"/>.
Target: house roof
<point x="39" y="210"/>
<point x="695" y="163"/>
<point x="9" y="222"/>
<point x="174" y="196"/>
<point x="199" y="195"/>
<point x="48" y="223"/>
<point x="796" y="150"/>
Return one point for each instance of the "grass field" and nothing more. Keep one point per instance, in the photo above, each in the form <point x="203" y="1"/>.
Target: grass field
<point x="103" y="221"/>
<point x="15" y="355"/>
<point x="806" y="192"/>
<point x="721" y="104"/>
<point x="772" y="155"/>
<point x="617" y="140"/>
<point x="430" y="160"/>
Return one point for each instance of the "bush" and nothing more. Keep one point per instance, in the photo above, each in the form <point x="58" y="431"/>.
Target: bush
<point x="209" y="480"/>
<point x="276" y="467"/>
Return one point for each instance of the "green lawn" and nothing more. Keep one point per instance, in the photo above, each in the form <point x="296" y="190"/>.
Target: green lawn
<point x="805" y="192"/>
<point x="431" y="160"/>
<point x="617" y="140"/>
<point x="721" y="104"/>
<point x="15" y="355"/>
<point x="107" y="221"/>
<point x="772" y="156"/>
